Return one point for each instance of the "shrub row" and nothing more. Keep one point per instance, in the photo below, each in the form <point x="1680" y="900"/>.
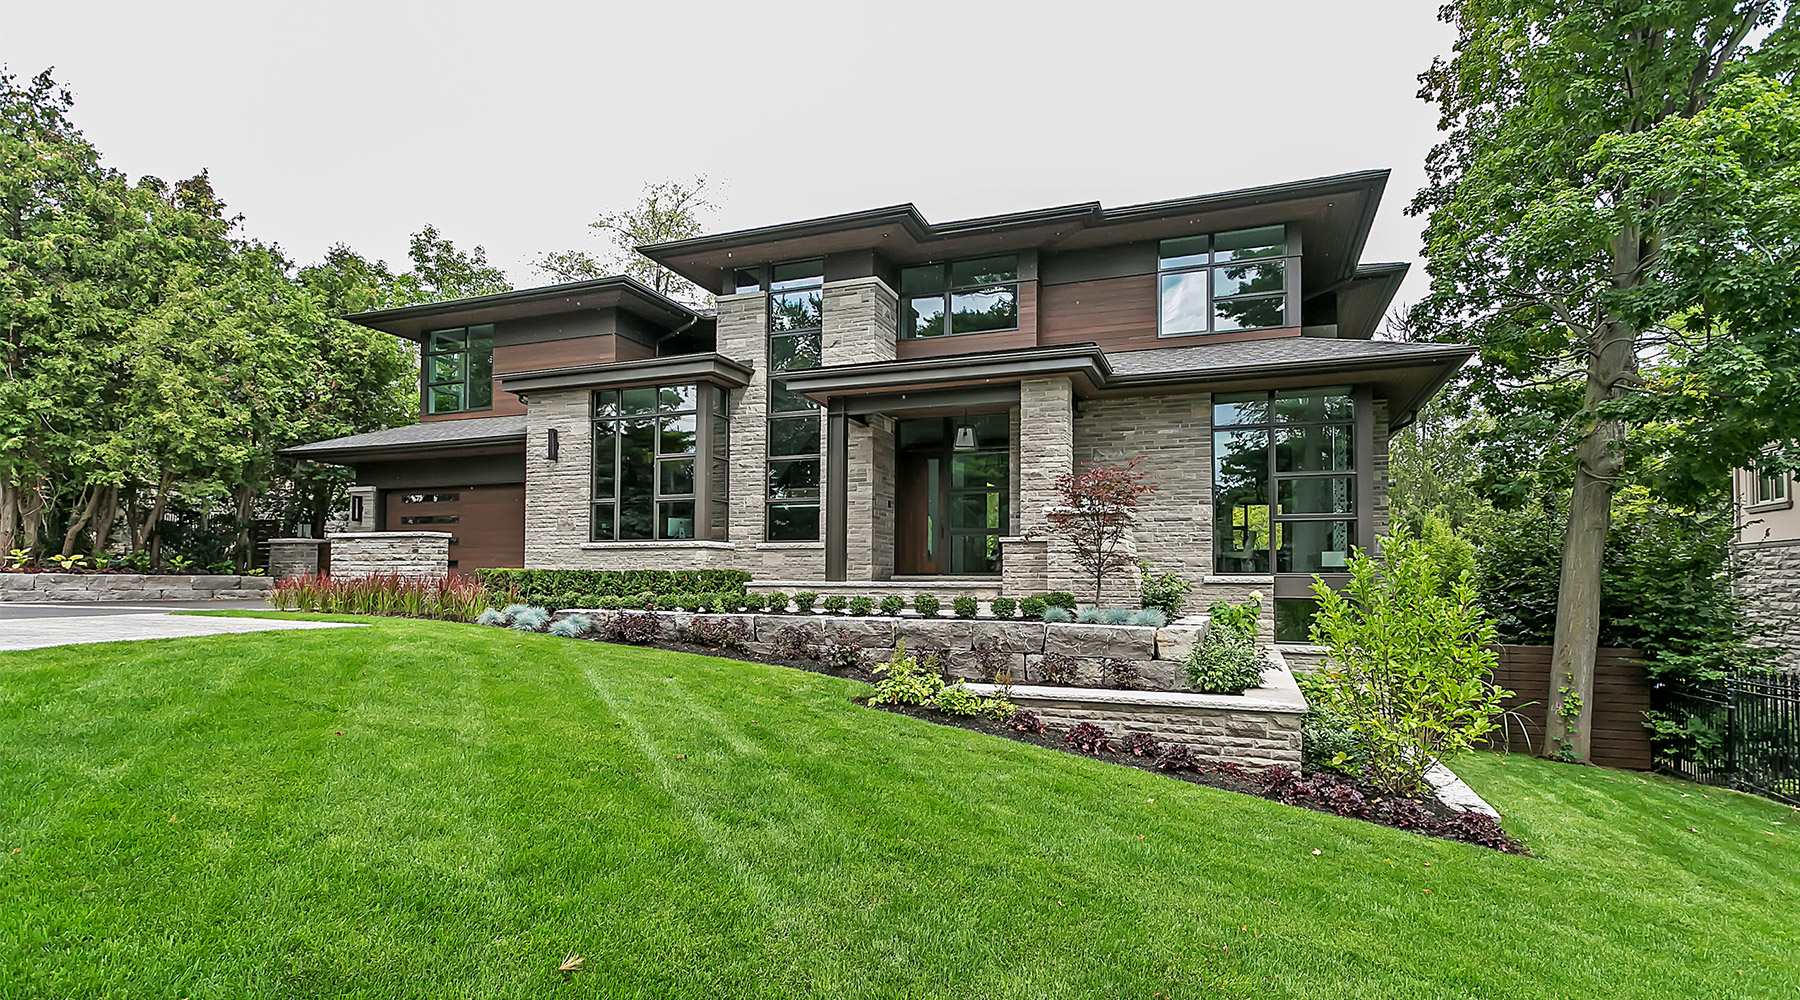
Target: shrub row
<point x="540" y="586"/>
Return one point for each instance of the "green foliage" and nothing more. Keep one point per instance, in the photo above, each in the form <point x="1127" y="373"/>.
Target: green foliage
<point x="754" y="602"/>
<point x="903" y="680"/>
<point x="926" y="605"/>
<point x="1032" y="607"/>
<point x="449" y="597"/>
<point x="1059" y="599"/>
<point x="1003" y="607"/>
<point x="1057" y="613"/>
<point x="666" y="211"/>
<point x="1151" y="617"/>
<point x="965" y="607"/>
<point x="892" y="605"/>
<point x="1327" y="743"/>
<point x="1409" y="664"/>
<point x="540" y="584"/>
<point x="1226" y="661"/>
<point x="804" y="601"/>
<point x="862" y="607"/>
<point x="957" y="699"/>
<point x="778" y="603"/>
<point x="1244" y="618"/>
<point x="1167" y="591"/>
<point x="835" y="603"/>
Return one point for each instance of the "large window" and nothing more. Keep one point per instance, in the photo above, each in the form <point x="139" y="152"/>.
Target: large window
<point x="1224" y="282"/>
<point x="459" y="369"/>
<point x="1771" y="485"/>
<point x="967" y="296"/>
<point x="647" y="460"/>
<point x="796" y="312"/>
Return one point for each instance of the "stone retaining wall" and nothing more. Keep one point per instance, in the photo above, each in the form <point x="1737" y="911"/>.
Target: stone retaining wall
<point x="1021" y="647"/>
<point x="408" y="553"/>
<point x="24" y="587"/>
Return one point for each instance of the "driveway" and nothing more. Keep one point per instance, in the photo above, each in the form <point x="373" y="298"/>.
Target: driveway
<point x="35" y="625"/>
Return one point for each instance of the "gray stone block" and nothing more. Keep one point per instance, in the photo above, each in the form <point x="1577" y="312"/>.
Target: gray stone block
<point x="1129" y="642"/>
<point x="935" y="633"/>
<point x="870" y="633"/>
<point x="1013" y="637"/>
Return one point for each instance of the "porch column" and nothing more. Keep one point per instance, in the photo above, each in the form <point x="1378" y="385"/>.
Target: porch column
<point x="837" y="489"/>
<point x="1046" y="444"/>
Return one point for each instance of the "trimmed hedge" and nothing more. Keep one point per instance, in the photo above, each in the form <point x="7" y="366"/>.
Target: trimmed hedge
<point x="541" y="586"/>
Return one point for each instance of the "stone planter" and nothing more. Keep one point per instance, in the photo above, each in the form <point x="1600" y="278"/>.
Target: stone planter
<point x="25" y="587"/>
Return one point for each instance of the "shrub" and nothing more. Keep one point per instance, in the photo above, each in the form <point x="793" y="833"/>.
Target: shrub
<point x="1025" y="721"/>
<point x="448" y="597"/>
<point x="1152" y="617"/>
<point x="926" y="605"/>
<point x="1088" y="616"/>
<point x="1140" y="744"/>
<point x="628" y="627"/>
<point x="1243" y="617"/>
<point x="903" y="680"/>
<point x="793" y="642"/>
<point x="1088" y="738"/>
<point x="572" y="627"/>
<point x="1167" y="592"/>
<point x="835" y="604"/>
<point x="493" y="617"/>
<point x="1032" y="607"/>
<point x="755" y="602"/>
<point x="1225" y="662"/>
<point x="1060" y="599"/>
<point x="994" y="663"/>
<point x="540" y="585"/>
<point x="1057" y="613"/>
<point x="720" y="633"/>
<point x="778" y="603"/>
<point x="1409" y="663"/>
<point x="892" y="605"/>
<point x="862" y="607"/>
<point x="839" y="654"/>
<point x="965" y="607"/>
<point x="1120" y="673"/>
<point x="804" y="601"/>
<point x="1003" y="607"/>
<point x="957" y="700"/>
<point x="1327" y="743"/>
<point x="1177" y="757"/>
<point x="1115" y="616"/>
<point x="1057" y="668"/>
<point x="531" y="620"/>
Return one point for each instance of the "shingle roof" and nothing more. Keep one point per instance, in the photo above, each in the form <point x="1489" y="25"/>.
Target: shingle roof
<point x="1216" y="358"/>
<point x="423" y="435"/>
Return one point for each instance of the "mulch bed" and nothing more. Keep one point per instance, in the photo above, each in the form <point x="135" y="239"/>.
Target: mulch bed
<point x="1322" y="792"/>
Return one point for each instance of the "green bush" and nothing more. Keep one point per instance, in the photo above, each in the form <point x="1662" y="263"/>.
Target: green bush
<point x="892" y="605"/>
<point x="755" y="602"/>
<point x="538" y="585"/>
<point x="1166" y="592"/>
<point x="1409" y="663"/>
<point x="965" y="607"/>
<point x="862" y="607"/>
<point x="835" y="603"/>
<point x="959" y="700"/>
<point x="1032" y="607"/>
<point x="1243" y="617"/>
<point x="1153" y="617"/>
<point x="1225" y="662"/>
<point x="926" y="605"/>
<point x="778" y="603"/>
<point x="903" y="680"/>
<point x="804" y="601"/>
<point x="1060" y="599"/>
<point x="1057" y="613"/>
<point x="1003" y="607"/>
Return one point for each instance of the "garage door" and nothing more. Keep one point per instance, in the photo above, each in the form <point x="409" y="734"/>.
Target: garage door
<point x="486" y="523"/>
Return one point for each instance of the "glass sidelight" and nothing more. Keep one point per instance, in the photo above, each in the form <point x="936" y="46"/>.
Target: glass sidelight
<point x="953" y="518"/>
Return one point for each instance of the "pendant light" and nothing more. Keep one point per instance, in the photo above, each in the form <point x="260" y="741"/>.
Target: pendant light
<point x="965" y="434"/>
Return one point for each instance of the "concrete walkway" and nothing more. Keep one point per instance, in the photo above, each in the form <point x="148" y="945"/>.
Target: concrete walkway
<point x="36" y="626"/>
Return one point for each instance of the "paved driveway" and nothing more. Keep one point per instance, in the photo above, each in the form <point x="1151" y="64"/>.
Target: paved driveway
<point x="35" y="626"/>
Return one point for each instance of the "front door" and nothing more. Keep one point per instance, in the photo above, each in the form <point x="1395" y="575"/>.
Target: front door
<point x="953" y="498"/>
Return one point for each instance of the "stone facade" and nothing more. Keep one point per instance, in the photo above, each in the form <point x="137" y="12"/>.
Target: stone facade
<point x="408" y="553"/>
<point x="30" y="587"/>
<point x="1769" y="581"/>
<point x="1046" y="450"/>
<point x="292" y="557"/>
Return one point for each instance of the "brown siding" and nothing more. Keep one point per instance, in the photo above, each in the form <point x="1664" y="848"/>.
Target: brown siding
<point x="532" y="356"/>
<point x="1621" y="697"/>
<point x="490" y="527"/>
<point x="1119" y="314"/>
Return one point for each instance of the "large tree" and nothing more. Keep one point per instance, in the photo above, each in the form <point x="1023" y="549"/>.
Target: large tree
<point x="666" y="211"/>
<point x="1611" y="220"/>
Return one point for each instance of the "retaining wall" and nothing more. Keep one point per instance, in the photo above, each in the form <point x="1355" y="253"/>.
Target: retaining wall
<point x="23" y="587"/>
<point x="408" y="553"/>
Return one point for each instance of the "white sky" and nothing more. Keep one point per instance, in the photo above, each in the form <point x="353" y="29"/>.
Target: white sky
<point x="512" y="125"/>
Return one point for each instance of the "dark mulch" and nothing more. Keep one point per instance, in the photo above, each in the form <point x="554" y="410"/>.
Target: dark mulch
<point x="1323" y="792"/>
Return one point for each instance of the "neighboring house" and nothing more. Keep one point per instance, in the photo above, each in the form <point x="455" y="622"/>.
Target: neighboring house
<point x="1767" y="557"/>
<point x="881" y="398"/>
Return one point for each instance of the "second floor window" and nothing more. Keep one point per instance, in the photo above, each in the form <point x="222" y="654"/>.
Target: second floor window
<point x="459" y="369"/>
<point x="965" y="296"/>
<point x="1771" y="485"/>
<point x="796" y="313"/>
<point x="1224" y="282"/>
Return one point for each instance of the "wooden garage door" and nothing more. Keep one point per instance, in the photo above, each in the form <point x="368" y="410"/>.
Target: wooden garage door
<point x="486" y="523"/>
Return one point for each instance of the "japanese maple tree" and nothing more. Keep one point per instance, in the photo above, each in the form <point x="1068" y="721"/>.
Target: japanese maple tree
<point x="1095" y="513"/>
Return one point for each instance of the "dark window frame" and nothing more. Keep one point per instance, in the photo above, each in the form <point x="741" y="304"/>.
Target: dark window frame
<point x="947" y="297"/>
<point x="815" y="335"/>
<point x="710" y="419"/>
<point x="1289" y="295"/>
<point x="465" y="353"/>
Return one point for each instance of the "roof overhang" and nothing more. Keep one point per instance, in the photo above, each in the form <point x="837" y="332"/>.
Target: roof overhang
<point x="1085" y="364"/>
<point x="1334" y="214"/>
<point x="714" y="369"/>
<point x="621" y="292"/>
<point x="324" y="451"/>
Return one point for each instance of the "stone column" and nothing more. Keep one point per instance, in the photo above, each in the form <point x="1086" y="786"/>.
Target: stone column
<point x="358" y="500"/>
<point x="292" y="557"/>
<point x="1032" y="561"/>
<point x="558" y="494"/>
<point x="861" y="324"/>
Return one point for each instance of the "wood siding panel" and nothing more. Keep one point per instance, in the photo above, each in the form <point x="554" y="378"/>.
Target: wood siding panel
<point x="1621" y="697"/>
<point x="489" y="531"/>
<point x="1117" y="313"/>
<point x="509" y="358"/>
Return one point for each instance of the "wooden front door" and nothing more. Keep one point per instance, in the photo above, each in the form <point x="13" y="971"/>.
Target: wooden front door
<point x="917" y="551"/>
<point x="486" y="523"/>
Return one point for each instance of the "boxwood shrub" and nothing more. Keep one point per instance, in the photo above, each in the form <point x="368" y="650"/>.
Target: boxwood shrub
<point x="539" y="586"/>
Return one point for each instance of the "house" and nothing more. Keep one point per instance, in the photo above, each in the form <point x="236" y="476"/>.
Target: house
<point x="881" y="403"/>
<point x="1766" y="556"/>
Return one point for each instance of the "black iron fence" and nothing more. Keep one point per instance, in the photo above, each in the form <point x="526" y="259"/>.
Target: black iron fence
<point x="1742" y="732"/>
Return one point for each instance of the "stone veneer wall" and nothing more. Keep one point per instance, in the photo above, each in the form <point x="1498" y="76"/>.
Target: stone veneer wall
<point x="1220" y="729"/>
<point x="1769" y="582"/>
<point x="291" y="557"/>
<point x="29" y="587"/>
<point x="409" y="553"/>
<point x="1046" y="450"/>
<point x="861" y="318"/>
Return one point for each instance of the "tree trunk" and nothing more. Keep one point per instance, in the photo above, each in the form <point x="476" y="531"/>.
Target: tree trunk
<point x="246" y="538"/>
<point x="1611" y="369"/>
<point x="152" y="533"/>
<point x="103" y="521"/>
<point x="84" y="512"/>
<point x="9" y="513"/>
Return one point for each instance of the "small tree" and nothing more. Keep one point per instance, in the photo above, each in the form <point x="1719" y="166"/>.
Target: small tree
<point x="1095" y="514"/>
<point x="1410" y="661"/>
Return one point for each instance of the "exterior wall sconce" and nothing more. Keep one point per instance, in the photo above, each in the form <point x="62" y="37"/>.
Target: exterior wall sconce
<point x="551" y="446"/>
<point x="356" y="509"/>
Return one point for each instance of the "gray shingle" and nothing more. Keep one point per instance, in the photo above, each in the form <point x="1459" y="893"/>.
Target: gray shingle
<point x="447" y="432"/>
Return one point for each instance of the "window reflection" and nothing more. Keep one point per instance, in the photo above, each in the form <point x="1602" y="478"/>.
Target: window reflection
<point x="1224" y="282"/>
<point x="970" y="296"/>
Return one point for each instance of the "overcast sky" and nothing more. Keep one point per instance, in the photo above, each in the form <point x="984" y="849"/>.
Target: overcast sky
<point x="512" y="125"/>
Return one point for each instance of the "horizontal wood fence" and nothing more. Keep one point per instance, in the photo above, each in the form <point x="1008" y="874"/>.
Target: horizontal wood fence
<point x="1621" y="697"/>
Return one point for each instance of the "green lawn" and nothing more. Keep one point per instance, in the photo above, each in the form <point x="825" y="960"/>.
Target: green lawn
<point x="428" y="810"/>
